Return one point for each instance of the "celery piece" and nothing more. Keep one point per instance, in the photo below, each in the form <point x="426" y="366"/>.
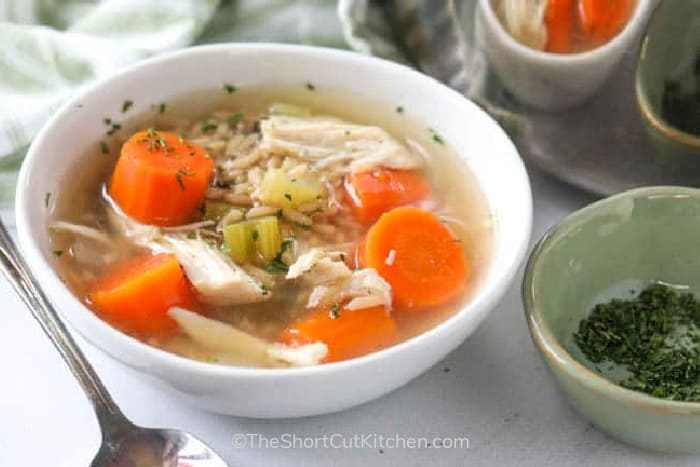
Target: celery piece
<point x="237" y="240"/>
<point x="268" y="242"/>
<point x="286" y="191"/>
<point x="259" y="237"/>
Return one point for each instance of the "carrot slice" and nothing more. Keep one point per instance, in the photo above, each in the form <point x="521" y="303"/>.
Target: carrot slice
<point x="376" y="192"/>
<point x="350" y="334"/>
<point x="418" y="256"/>
<point x="136" y="295"/>
<point x="602" y="20"/>
<point x="161" y="179"/>
<point x="559" y="20"/>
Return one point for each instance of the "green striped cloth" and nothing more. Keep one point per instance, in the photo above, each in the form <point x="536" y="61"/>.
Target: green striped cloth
<point x="49" y="49"/>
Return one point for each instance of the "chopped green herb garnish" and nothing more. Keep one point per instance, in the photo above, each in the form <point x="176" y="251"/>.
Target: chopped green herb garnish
<point x="115" y="127"/>
<point x="288" y="196"/>
<point x="237" y="117"/>
<point x="192" y="235"/>
<point x="277" y="265"/>
<point x="310" y="86"/>
<point x="104" y="147"/>
<point x="229" y="88"/>
<point x="335" y="311"/>
<point x="287" y="243"/>
<point x="278" y="213"/>
<point x="127" y="105"/>
<point x="58" y="252"/>
<point x="399" y="109"/>
<point x="107" y="121"/>
<point x="180" y="173"/>
<point x="208" y="126"/>
<point x="213" y="360"/>
<point x="265" y="289"/>
<point x="47" y="198"/>
<point x="162" y="107"/>
<point x="301" y="226"/>
<point x="436" y="137"/>
<point x="255" y="234"/>
<point x="655" y="336"/>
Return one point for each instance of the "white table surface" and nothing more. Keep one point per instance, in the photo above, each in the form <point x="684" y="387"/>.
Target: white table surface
<point x="496" y="392"/>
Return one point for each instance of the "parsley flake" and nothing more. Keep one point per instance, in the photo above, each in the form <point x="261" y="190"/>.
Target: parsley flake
<point x="335" y="311"/>
<point x="399" y="109"/>
<point x="47" y="199"/>
<point x="104" y="147"/>
<point x="237" y="117"/>
<point x="58" y="252"/>
<point x="437" y="137"/>
<point x="127" y="105"/>
<point x="310" y="86"/>
<point x="229" y="88"/>
<point x="208" y="126"/>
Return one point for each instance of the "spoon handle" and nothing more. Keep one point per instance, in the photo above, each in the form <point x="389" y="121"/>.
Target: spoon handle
<point x="17" y="273"/>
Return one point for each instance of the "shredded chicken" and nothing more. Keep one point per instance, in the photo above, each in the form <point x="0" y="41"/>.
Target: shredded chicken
<point x="367" y="289"/>
<point x="325" y="141"/>
<point x="222" y="337"/>
<point x="322" y="267"/>
<point x="217" y="279"/>
<point x="334" y="281"/>
<point x="524" y="20"/>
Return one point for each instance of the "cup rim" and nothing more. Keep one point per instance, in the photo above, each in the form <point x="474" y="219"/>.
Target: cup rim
<point x="653" y="117"/>
<point x="486" y="298"/>
<point x="597" y="53"/>
<point x="550" y="346"/>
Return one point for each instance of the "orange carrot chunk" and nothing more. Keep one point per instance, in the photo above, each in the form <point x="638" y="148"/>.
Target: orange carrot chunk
<point x="161" y="179"/>
<point x="136" y="295"/>
<point x="559" y="20"/>
<point x="418" y="256"/>
<point x="602" y="20"/>
<point x="373" y="193"/>
<point x="347" y="333"/>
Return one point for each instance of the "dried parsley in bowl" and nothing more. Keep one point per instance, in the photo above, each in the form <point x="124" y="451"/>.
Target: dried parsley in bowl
<point x="656" y="336"/>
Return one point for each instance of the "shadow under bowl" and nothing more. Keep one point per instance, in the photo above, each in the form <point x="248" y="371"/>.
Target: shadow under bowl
<point x="603" y="251"/>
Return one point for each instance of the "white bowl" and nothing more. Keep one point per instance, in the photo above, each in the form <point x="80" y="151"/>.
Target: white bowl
<point x="551" y="81"/>
<point x="273" y="393"/>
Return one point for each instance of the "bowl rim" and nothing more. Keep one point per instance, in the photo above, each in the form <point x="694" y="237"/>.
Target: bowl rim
<point x="549" y="345"/>
<point x="652" y="116"/>
<point x="541" y="56"/>
<point x="486" y="297"/>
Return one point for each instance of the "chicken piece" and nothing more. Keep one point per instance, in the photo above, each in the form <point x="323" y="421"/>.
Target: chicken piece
<point x="217" y="280"/>
<point x="524" y="20"/>
<point x="367" y="289"/>
<point x="325" y="141"/>
<point x="322" y="268"/>
<point x="222" y="337"/>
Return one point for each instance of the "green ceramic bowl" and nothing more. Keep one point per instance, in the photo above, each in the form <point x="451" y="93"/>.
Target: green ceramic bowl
<point x="600" y="252"/>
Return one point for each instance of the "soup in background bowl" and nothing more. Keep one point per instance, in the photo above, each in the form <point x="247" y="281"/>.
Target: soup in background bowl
<point x="264" y="214"/>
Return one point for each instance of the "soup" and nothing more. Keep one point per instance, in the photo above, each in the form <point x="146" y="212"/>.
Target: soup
<point x="271" y="227"/>
<point x="564" y="26"/>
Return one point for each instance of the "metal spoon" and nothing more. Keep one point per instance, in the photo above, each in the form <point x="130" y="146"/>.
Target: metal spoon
<point x="123" y="443"/>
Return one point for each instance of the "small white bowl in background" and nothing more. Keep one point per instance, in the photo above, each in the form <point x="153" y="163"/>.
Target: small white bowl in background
<point x="551" y="81"/>
<point x="293" y="392"/>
